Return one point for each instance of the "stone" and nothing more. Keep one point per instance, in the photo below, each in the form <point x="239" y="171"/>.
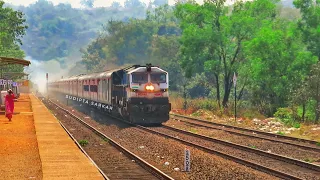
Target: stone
<point x="176" y="169"/>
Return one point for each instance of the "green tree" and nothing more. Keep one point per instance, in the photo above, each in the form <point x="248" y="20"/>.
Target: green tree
<point x="12" y="25"/>
<point x="309" y="24"/>
<point x="213" y="36"/>
<point x="278" y="64"/>
<point x="313" y="90"/>
<point x="12" y="29"/>
<point x="57" y="31"/>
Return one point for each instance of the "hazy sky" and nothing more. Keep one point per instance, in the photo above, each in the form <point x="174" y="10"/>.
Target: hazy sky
<point x="76" y="3"/>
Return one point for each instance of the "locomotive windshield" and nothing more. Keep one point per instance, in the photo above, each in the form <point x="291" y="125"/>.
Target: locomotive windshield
<point x="139" y="78"/>
<point x="158" y="78"/>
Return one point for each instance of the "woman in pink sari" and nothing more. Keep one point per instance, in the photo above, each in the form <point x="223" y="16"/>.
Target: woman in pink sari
<point x="9" y="102"/>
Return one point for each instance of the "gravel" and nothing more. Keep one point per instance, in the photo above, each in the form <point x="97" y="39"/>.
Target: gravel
<point x="265" y="145"/>
<point x="110" y="160"/>
<point x="158" y="150"/>
<point x="253" y="157"/>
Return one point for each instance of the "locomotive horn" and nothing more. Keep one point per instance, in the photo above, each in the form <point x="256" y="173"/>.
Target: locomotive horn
<point x="149" y="67"/>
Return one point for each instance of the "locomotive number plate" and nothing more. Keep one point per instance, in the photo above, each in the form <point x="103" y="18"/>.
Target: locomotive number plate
<point x="142" y="94"/>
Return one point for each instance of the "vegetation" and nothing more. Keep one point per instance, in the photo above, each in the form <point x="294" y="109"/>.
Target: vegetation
<point x="60" y="31"/>
<point x="83" y="142"/>
<point x="12" y="29"/>
<point x="309" y="160"/>
<point x="273" y="48"/>
<point x="203" y="45"/>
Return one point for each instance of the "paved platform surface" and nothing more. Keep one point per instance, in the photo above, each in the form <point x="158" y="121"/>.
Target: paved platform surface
<point x="60" y="157"/>
<point x="35" y="146"/>
<point x="19" y="153"/>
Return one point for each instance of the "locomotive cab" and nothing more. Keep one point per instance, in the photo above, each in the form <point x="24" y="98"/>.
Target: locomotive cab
<point x="148" y="98"/>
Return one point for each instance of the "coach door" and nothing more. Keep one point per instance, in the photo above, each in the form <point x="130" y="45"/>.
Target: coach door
<point x="99" y="90"/>
<point x="104" y="90"/>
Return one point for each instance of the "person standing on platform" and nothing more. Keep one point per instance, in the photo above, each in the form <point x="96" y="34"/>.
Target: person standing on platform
<point x="9" y="103"/>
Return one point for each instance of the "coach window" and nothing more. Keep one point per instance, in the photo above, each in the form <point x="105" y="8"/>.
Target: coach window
<point x="93" y="88"/>
<point x="158" y="78"/>
<point x="86" y="88"/>
<point x="139" y="77"/>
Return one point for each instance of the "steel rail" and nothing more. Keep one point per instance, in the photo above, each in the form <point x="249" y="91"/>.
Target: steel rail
<point x="227" y="156"/>
<point x="155" y="171"/>
<point x="307" y="147"/>
<point x="250" y="130"/>
<point x="84" y="152"/>
<point x="242" y="161"/>
<point x="79" y="146"/>
<point x="245" y="148"/>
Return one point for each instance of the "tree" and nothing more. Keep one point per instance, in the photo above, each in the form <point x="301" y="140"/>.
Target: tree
<point x="153" y="40"/>
<point x="12" y="29"/>
<point x="213" y="36"/>
<point x="301" y="96"/>
<point x="314" y="89"/>
<point x="12" y="25"/>
<point x="115" y="5"/>
<point x="132" y="4"/>
<point x="160" y="2"/>
<point x="278" y="64"/>
<point x="87" y="3"/>
<point x="309" y="24"/>
<point x="52" y="27"/>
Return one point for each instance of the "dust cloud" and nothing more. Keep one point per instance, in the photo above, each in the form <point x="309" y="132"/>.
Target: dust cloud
<point x="55" y="69"/>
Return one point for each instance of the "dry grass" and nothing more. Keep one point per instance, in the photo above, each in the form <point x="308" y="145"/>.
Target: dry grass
<point x="208" y="109"/>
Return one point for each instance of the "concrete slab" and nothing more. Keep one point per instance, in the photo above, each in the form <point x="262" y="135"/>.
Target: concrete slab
<point x="60" y="157"/>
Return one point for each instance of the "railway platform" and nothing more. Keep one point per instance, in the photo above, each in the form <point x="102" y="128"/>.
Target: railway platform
<point x="35" y="146"/>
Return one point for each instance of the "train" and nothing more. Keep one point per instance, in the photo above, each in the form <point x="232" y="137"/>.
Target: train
<point x="138" y="94"/>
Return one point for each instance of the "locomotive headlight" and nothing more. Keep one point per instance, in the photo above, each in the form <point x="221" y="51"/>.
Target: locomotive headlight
<point x="149" y="87"/>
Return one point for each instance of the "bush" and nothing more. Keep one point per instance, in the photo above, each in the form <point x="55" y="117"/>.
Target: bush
<point x="309" y="112"/>
<point x="286" y="115"/>
<point x="296" y="125"/>
<point x="202" y="103"/>
<point x="83" y="142"/>
<point x="250" y="113"/>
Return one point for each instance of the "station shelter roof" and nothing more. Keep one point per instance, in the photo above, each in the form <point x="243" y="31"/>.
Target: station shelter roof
<point x="8" y="60"/>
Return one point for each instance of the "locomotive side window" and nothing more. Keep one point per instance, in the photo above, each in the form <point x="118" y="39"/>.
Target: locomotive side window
<point x="139" y="77"/>
<point x="158" y="78"/>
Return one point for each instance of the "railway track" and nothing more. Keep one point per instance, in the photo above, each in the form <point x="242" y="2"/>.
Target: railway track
<point x="306" y="171"/>
<point x="298" y="142"/>
<point x="133" y="166"/>
<point x="256" y="159"/>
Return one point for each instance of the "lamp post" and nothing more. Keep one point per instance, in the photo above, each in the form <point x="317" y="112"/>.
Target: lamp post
<point x="47" y="85"/>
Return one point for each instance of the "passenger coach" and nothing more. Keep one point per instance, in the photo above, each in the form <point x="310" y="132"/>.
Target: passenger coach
<point x="137" y="93"/>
